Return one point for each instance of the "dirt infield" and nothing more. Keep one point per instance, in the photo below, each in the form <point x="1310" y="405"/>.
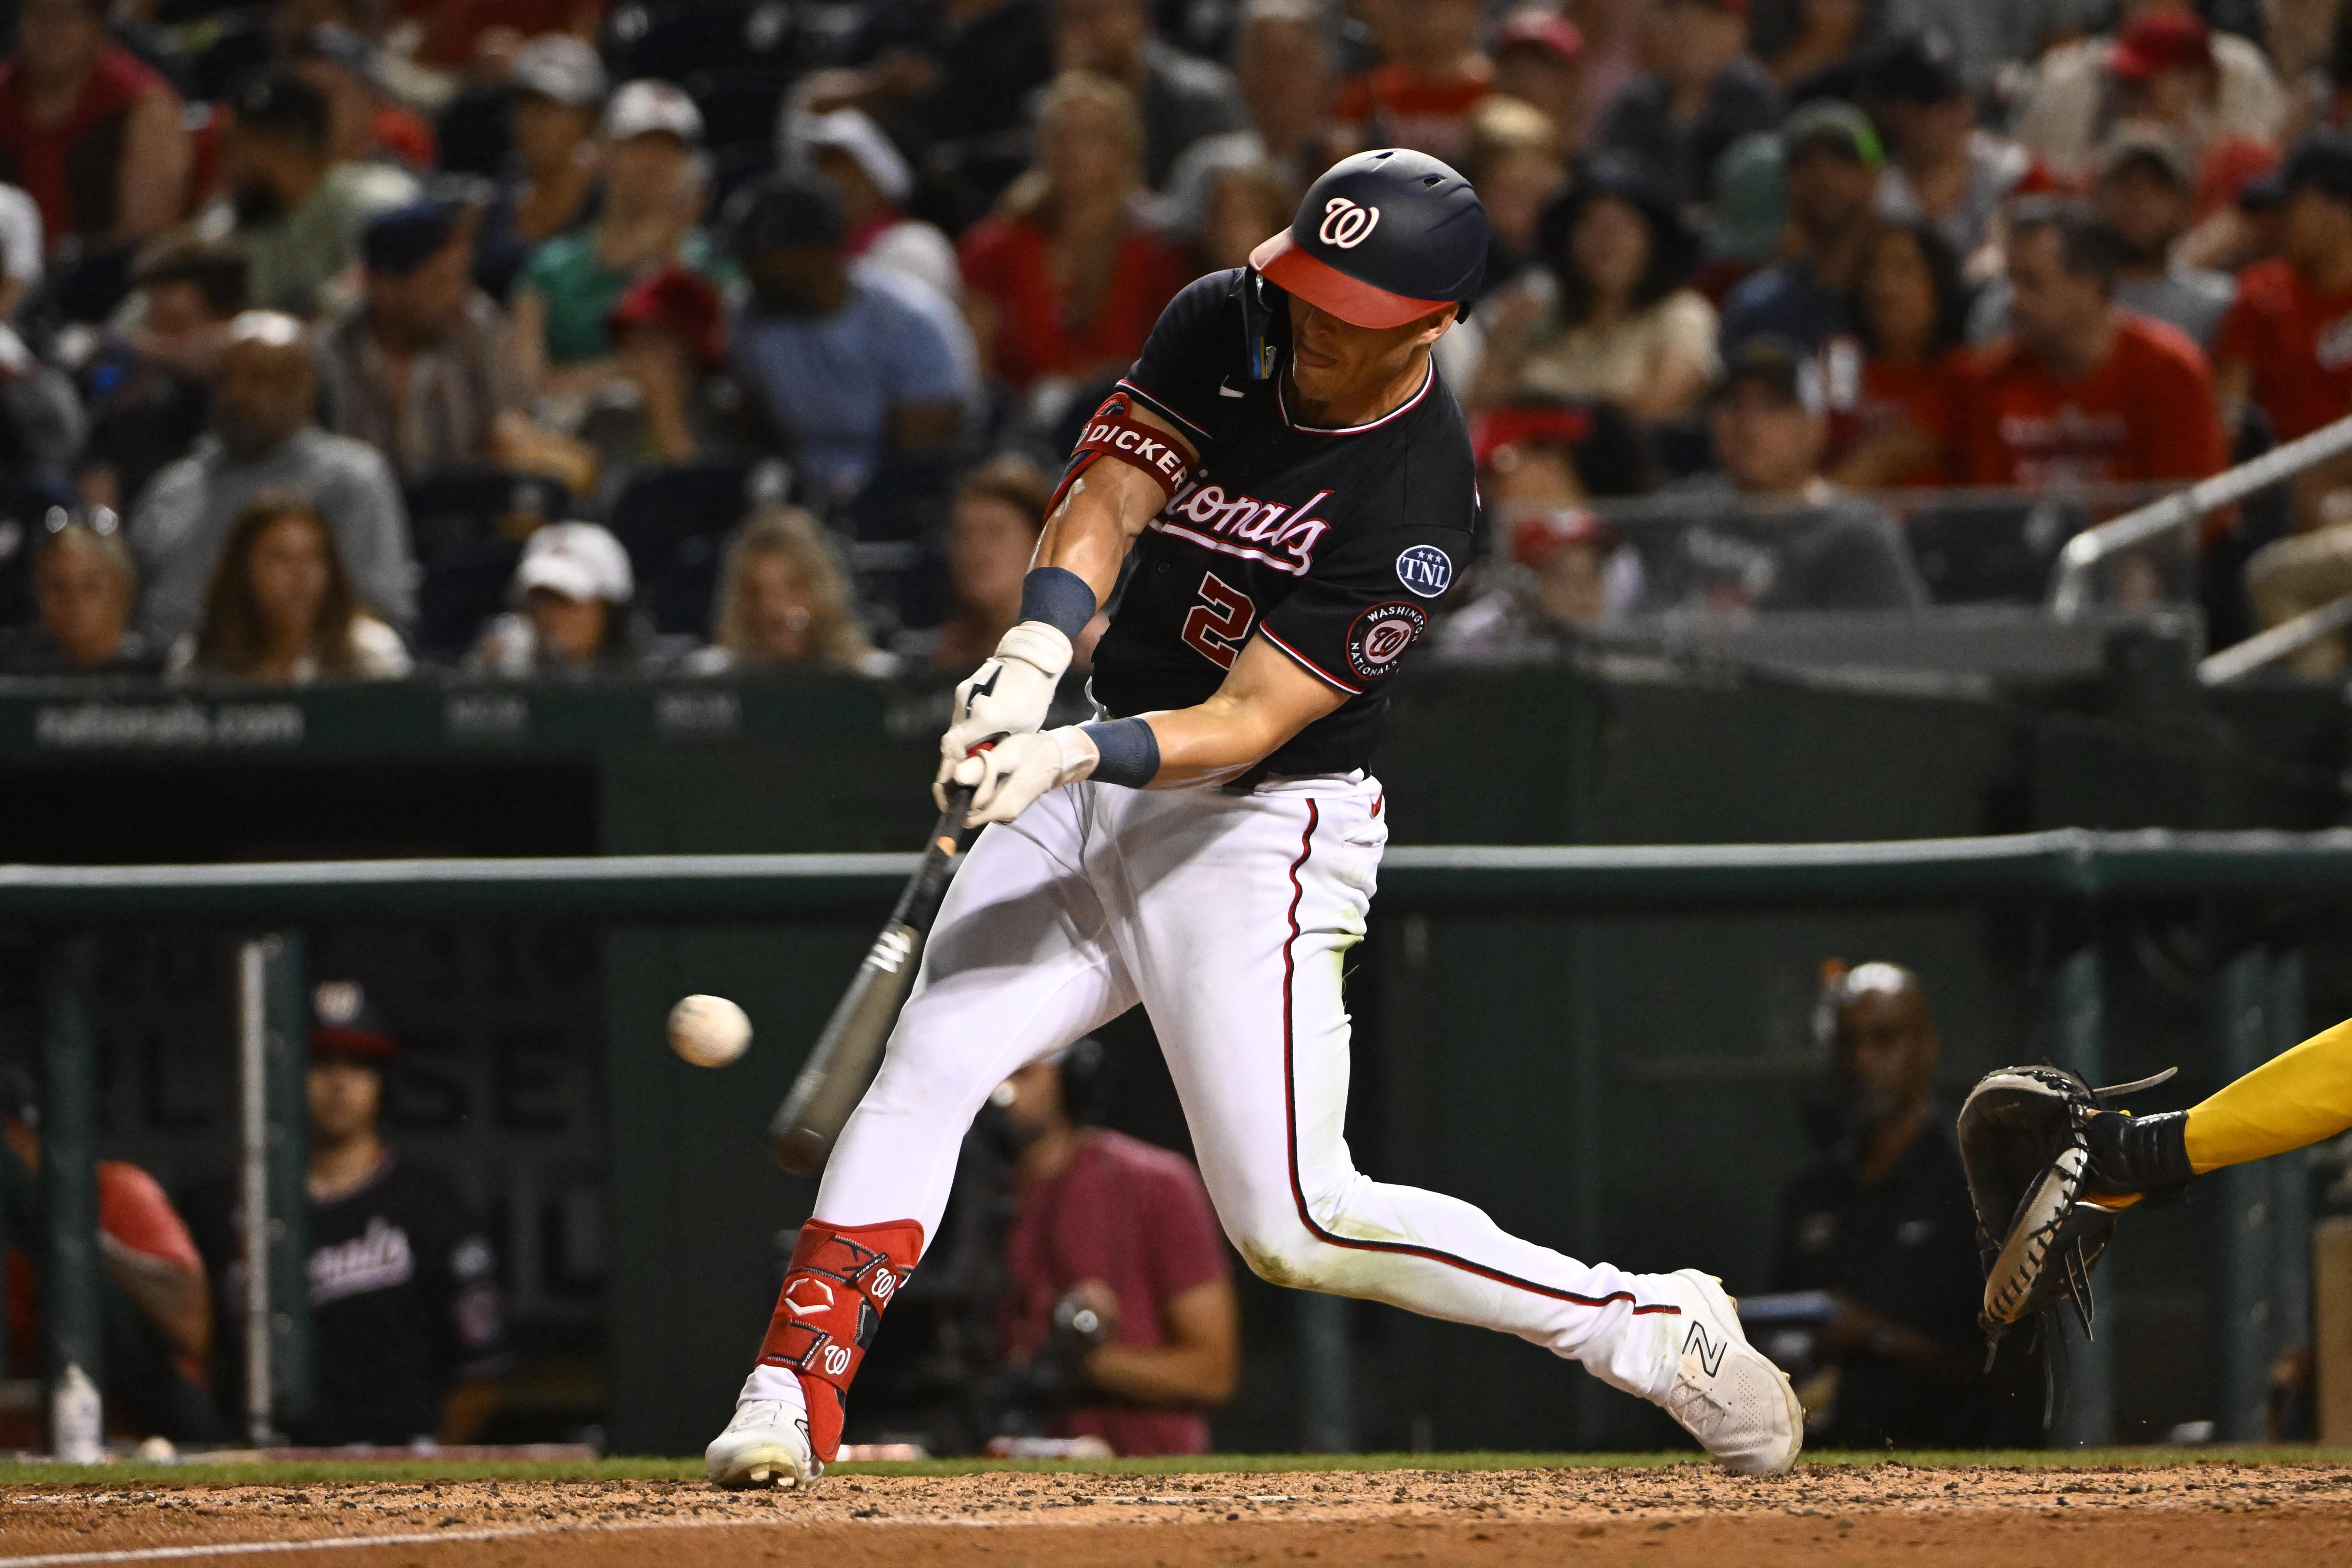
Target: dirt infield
<point x="1676" y="1516"/>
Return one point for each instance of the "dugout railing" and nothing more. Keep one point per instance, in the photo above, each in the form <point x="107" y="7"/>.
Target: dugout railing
<point x="2254" y="1009"/>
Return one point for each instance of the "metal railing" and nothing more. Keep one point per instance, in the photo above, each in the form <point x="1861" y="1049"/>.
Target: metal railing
<point x="2070" y="585"/>
<point x="2282" y="641"/>
<point x="2254" y="1012"/>
<point x="2063" y="863"/>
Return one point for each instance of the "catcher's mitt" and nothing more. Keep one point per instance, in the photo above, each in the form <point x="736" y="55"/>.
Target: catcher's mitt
<point x="2026" y="1144"/>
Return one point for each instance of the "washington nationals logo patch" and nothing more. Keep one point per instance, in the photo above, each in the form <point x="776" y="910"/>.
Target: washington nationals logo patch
<point x="1380" y="638"/>
<point x="1426" y="570"/>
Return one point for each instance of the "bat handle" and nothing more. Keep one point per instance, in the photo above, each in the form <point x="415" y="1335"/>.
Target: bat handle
<point x="920" y="899"/>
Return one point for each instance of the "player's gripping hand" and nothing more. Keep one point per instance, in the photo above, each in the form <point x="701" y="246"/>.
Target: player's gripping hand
<point x="1007" y="695"/>
<point x="1008" y="777"/>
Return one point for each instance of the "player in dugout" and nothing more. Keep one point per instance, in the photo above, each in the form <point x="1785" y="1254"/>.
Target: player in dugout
<point x="1295" y="484"/>
<point x="1121" y="1312"/>
<point x="406" y="1318"/>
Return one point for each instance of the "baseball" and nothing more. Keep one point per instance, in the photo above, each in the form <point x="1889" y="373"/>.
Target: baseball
<point x="708" y="1031"/>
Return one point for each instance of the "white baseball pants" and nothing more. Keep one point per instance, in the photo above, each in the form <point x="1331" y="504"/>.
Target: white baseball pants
<point x="1227" y="917"/>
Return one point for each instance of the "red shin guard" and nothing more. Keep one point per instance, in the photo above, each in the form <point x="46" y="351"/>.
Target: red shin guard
<point x="841" y="1278"/>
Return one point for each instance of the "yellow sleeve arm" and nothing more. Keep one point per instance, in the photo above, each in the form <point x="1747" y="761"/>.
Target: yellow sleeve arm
<point x="2296" y="1098"/>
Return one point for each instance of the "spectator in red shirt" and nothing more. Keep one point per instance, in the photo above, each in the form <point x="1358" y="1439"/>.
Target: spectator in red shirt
<point x="2286" y="345"/>
<point x="2083" y="391"/>
<point x="1121" y="1299"/>
<point x="1065" y="278"/>
<point x="1911" y="313"/>
<point x="145" y="1249"/>
<point x="1434" y="75"/>
<point x="94" y="136"/>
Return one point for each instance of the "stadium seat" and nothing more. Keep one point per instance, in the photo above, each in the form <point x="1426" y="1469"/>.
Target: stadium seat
<point x="460" y="507"/>
<point x="1991" y="551"/>
<point x="679" y="42"/>
<point x="467" y="526"/>
<point x="675" y="522"/>
<point x="460" y="592"/>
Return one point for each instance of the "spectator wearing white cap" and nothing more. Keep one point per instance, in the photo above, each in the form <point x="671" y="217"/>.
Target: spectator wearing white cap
<point x="655" y="189"/>
<point x="572" y="594"/>
<point x="847" y="148"/>
<point x="550" y="184"/>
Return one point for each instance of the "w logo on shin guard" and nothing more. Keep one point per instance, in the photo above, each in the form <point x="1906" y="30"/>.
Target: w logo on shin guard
<point x="1708" y="1351"/>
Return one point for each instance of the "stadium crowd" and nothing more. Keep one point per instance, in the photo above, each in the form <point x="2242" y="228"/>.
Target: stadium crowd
<point x="346" y="338"/>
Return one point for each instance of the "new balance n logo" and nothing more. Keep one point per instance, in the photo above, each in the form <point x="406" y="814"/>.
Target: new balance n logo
<point x="1709" y="1352"/>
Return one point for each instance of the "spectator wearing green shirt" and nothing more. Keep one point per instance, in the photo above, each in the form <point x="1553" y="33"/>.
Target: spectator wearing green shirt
<point x="293" y="210"/>
<point x="654" y="195"/>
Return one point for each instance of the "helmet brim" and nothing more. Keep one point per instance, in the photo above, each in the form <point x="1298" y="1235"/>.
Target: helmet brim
<point x="1283" y="263"/>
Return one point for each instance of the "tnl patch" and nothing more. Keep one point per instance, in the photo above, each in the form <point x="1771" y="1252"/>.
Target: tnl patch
<point x="1426" y="570"/>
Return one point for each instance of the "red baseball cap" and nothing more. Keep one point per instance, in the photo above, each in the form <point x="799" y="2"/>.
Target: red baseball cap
<point x="1537" y="29"/>
<point x="684" y="304"/>
<point x="2156" y="40"/>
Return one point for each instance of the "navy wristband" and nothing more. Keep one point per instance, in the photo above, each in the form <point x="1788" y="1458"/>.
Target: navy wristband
<point x="1130" y="752"/>
<point x="1059" y="597"/>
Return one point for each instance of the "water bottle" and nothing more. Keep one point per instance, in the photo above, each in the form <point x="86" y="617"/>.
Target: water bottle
<point x="77" y="1419"/>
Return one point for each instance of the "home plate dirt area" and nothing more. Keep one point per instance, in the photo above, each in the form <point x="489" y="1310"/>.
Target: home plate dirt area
<point x="2140" y="1513"/>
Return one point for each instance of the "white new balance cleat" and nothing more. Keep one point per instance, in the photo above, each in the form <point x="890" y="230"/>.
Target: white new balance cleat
<point x="766" y="1445"/>
<point x="1726" y="1393"/>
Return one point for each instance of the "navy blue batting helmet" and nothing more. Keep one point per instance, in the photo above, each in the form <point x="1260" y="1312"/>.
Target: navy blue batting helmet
<point x="1384" y="237"/>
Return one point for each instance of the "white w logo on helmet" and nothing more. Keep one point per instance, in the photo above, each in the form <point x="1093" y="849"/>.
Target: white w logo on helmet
<point x="1346" y="225"/>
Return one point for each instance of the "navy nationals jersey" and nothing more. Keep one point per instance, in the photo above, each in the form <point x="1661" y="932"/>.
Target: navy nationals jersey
<point x="1334" y="544"/>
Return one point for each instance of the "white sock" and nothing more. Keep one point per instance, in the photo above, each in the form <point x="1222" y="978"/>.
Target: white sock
<point x="779" y="1382"/>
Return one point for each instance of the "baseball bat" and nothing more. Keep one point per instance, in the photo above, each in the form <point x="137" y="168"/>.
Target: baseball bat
<point x="835" y="1074"/>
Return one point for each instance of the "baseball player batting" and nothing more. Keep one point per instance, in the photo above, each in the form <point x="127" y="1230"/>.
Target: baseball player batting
<point x="1297" y="489"/>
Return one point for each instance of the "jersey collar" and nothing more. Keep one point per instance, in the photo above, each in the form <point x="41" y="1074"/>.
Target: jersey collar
<point x="1282" y="400"/>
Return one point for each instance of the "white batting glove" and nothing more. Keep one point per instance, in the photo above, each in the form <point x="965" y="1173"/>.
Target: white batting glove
<point x="1007" y="695"/>
<point x="1008" y="778"/>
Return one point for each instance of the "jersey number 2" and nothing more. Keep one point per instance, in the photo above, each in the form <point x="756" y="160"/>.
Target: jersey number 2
<point x="1218" y="625"/>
